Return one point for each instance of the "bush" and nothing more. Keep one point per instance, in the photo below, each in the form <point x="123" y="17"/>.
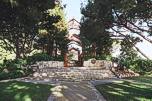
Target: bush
<point x="102" y="57"/>
<point x="12" y="65"/>
<point x="59" y="58"/>
<point x="143" y="65"/>
<point x="1" y="67"/>
<point x="4" y="75"/>
<point x="38" y="57"/>
<point x="12" y="69"/>
<point x="42" y="57"/>
<point x="16" y="74"/>
<point x="138" y="65"/>
<point x="86" y="58"/>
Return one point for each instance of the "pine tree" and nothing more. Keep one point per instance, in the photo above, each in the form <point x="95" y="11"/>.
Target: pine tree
<point x="119" y="18"/>
<point x="54" y="30"/>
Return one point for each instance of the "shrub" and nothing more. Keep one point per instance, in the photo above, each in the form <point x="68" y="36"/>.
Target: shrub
<point x="143" y="65"/>
<point x="101" y="57"/>
<point x="12" y="65"/>
<point x="104" y="57"/>
<point x="42" y="57"/>
<point x="86" y="58"/>
<point x="38" y="57"/>
<point x="1" y="67"/>
<point x="137" y="65"/>
<point x="13" y="69"/>
<point x="16" y="74"/>
<point x="4" y="75"/>
<point x="59" y="58"/>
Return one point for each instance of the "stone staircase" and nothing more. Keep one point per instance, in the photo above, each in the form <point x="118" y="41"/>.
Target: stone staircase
<point x="72" y="74"/>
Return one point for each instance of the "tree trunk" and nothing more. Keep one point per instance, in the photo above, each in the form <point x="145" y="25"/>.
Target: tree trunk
<point x="56" y="50"/>
<point x="65" y="60"/>
<point x="50" y="47"/>
<point x="94" y="49"/>
<point x="18" y="54"/>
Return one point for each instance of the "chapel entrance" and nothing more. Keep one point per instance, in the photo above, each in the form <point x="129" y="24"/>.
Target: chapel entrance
<point x="73" y="57"/>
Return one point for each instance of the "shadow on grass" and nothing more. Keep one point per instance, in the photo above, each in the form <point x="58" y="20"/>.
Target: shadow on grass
<point x="21" y="91"/>
<point x="144" y="79"/>
<point x="126" y="91"/>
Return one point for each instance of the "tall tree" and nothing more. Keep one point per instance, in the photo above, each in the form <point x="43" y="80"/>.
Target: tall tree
<point x="53" y="31"/>
<point x="19" y="23"/>
<point x="95" y="31"/>
<point x="123" y="18"/>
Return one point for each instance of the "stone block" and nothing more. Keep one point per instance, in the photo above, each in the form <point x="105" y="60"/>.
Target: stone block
<point x="44" y="74"/>
<point x="36" y="74"/>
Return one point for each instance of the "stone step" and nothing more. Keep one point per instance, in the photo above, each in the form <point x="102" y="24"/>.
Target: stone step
<point x="75" y="74"/>
<point x="68" y="70"/>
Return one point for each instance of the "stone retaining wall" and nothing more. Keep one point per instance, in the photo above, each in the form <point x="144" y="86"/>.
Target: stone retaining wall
<point x="44" y="64"/>
<point x="72" y="74"/>
<point x="98" y="64"/>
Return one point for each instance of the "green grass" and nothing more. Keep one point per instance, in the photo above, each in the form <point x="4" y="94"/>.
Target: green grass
<point x="21" y="91"/>
<point x="138" y="89"/>
<point x="149" y="74"/>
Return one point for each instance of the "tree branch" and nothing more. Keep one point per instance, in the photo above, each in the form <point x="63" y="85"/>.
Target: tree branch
<point x="7" y="44"/>
<point x="133" y="45"/>
<point x="141" y="52"/>
<point x="132" y="30"/>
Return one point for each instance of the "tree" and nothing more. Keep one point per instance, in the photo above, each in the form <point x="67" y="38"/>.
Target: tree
<point x="19" y="21"/>
<point x="122" y="18"/>
<point x="93" y="30"/>
<point x="53" y="31"/>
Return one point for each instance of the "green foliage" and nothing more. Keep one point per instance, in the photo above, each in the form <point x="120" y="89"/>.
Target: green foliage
<point x="11" y="69"/>
<point x="143" y="66"/>
<point x="25" y="22"/>
<point x="102" y="57"/>
<point x="148" y="74"/>
<point x="1" y="67"/>
<point x="59" y="58"/>
<point x="53" y="29"/>
<point x="19" y="24"/>
<point x="14" y="64"/>
<point x="104" y="20"/>
<point x="86" y="58"/>
<point x="4" y="75"/>
<point x="138" y="65"/>
<point x="42" y="57"/>
<point x="129" y="57"/>
<point x="94" y="32"/>
<point x="38" y="57"/>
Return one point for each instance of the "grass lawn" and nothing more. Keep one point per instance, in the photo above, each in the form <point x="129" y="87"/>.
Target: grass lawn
<point x="21" y="91"/>
<point x="138" y="89"/>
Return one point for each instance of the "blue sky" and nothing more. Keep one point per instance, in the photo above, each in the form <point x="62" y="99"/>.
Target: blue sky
<point x="73" y="11"/>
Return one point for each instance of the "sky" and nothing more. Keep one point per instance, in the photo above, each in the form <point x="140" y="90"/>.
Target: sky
<point x="73" y="11"/>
